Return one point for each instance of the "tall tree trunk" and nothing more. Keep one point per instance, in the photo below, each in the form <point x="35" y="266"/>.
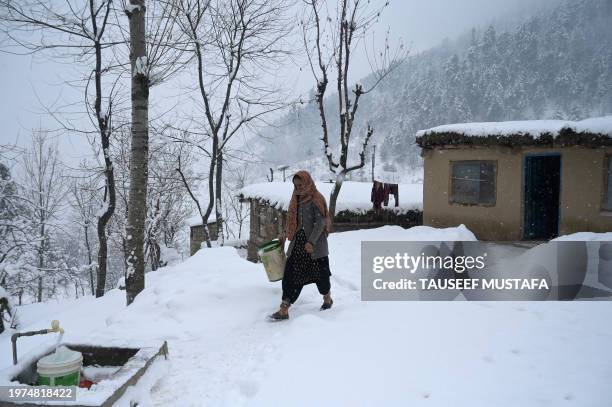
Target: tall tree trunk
<point x="103" y="220"/>
<point x="102" y="258"/>
<point x="109" y="173"/>
<point x="137" y="204"/>
<point x="40" y="270"/>
<point x="218" y="206"/>
<point x="91" y="273"/>
<point x="333" y="198"/>
<point x="124" y="248"/>
<point x="155" y="255"/>
<point x="211" y="191"/>
<point x="41" y="248"/>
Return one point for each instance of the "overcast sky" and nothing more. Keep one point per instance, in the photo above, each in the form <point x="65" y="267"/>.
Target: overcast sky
<point x="27" y="83"/>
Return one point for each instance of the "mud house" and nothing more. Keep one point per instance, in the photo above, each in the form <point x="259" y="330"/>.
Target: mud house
<point x="531" y="180"/>
<point x="269" y="202"/>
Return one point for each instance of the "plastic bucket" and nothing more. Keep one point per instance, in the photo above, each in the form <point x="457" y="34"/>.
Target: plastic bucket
<point x="273" y="258"/>
<point x="61" y="368"/>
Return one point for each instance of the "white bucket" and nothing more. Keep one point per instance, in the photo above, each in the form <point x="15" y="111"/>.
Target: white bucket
<point x="64" y="364"/>
<point x="273" y="258"/>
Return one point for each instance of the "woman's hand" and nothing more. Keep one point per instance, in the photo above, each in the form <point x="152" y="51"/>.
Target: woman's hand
<point x="309" y="248"/>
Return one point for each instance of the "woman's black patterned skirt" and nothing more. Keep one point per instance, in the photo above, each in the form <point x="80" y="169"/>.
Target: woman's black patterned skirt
<point x="301" y="269"/>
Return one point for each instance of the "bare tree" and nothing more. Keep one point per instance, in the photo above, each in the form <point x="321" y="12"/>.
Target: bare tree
<point x="16" y="238"/>
<point x="44" y="188"/>
<point x="190" y="180"/>
<point x="155" y="54"/>
<point x="330" y="41"/>
<point x="237" y="212"/>
<point x="77" y="31"/>
<point x="234" y="44"/>
<point x="168" y="204"/>
<point x="120" y="154"/>
<point x="15" y="232"/>
<point x="84" y="199"/>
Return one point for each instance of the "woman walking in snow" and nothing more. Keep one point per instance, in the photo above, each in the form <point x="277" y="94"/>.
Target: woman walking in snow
<point x="308" y="225"/>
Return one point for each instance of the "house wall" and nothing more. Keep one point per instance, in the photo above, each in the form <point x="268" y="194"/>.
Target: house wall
<point x="267" y="223"/>
<point x="582" y="186"/>
<point x="196" y="237"/>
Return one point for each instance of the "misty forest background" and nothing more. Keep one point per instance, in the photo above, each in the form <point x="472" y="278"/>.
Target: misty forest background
<point x="553" y="65"/>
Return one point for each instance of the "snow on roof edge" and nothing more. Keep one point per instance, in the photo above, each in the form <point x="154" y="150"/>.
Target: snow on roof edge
<point x="535" y="128"/>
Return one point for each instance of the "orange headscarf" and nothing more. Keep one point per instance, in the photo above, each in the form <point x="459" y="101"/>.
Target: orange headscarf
<point x="307" y="192"/>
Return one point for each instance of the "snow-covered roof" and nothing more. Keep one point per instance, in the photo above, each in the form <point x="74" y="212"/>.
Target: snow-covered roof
<point x="354" y="196"/>
<point x="196" y="220"/>
<point x="596" y="130"/>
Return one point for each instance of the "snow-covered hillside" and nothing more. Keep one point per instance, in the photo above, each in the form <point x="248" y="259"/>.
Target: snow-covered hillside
<point x="555" y="64"/>
<point x="211" y="309"/>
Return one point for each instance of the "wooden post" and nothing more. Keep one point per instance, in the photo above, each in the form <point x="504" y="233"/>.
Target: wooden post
<point x="373" y="161"/>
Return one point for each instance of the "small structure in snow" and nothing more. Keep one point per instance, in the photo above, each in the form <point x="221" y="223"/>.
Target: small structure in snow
<point x="196" y="232"/>
<point x="269" y="202"/>
<point x="531" y="180"/>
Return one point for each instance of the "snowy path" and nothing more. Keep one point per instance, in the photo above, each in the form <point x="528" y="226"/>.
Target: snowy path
<point x="226" y="366"/>
<point x="211" y="309"/>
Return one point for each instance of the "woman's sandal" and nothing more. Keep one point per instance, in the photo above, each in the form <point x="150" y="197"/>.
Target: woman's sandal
<point x="278" y="316"/>
<point x="326" y="305"/>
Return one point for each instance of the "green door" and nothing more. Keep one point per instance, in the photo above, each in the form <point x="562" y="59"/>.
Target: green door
<point x="541" y="196"/>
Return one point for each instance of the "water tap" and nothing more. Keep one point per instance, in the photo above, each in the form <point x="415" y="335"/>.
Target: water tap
<point x="55" y="327"/>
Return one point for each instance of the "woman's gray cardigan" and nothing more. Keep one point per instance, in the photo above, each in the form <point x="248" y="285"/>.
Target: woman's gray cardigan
<point x="310" y="218"/>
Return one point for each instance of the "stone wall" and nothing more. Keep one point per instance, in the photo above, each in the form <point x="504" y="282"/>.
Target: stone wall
<point x="196" y="236"/>
<point x="267" y="223"/>
<point x="345" y="221"/>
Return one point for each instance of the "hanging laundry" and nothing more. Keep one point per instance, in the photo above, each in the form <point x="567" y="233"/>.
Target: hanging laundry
<point x="378" y="195"/>
<point x="391" y="189"/>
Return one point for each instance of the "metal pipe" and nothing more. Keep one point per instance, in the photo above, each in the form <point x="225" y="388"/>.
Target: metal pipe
<point x="55" y="327"/>
<point x="19" y="334"/>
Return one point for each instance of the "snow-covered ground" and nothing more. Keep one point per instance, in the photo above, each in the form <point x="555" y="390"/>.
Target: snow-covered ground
<point x="585" y="237"/>
<point x="211" y="309"/>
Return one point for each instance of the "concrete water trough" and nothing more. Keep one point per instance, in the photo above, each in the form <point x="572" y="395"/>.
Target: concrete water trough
<point x="122" y="367"/>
